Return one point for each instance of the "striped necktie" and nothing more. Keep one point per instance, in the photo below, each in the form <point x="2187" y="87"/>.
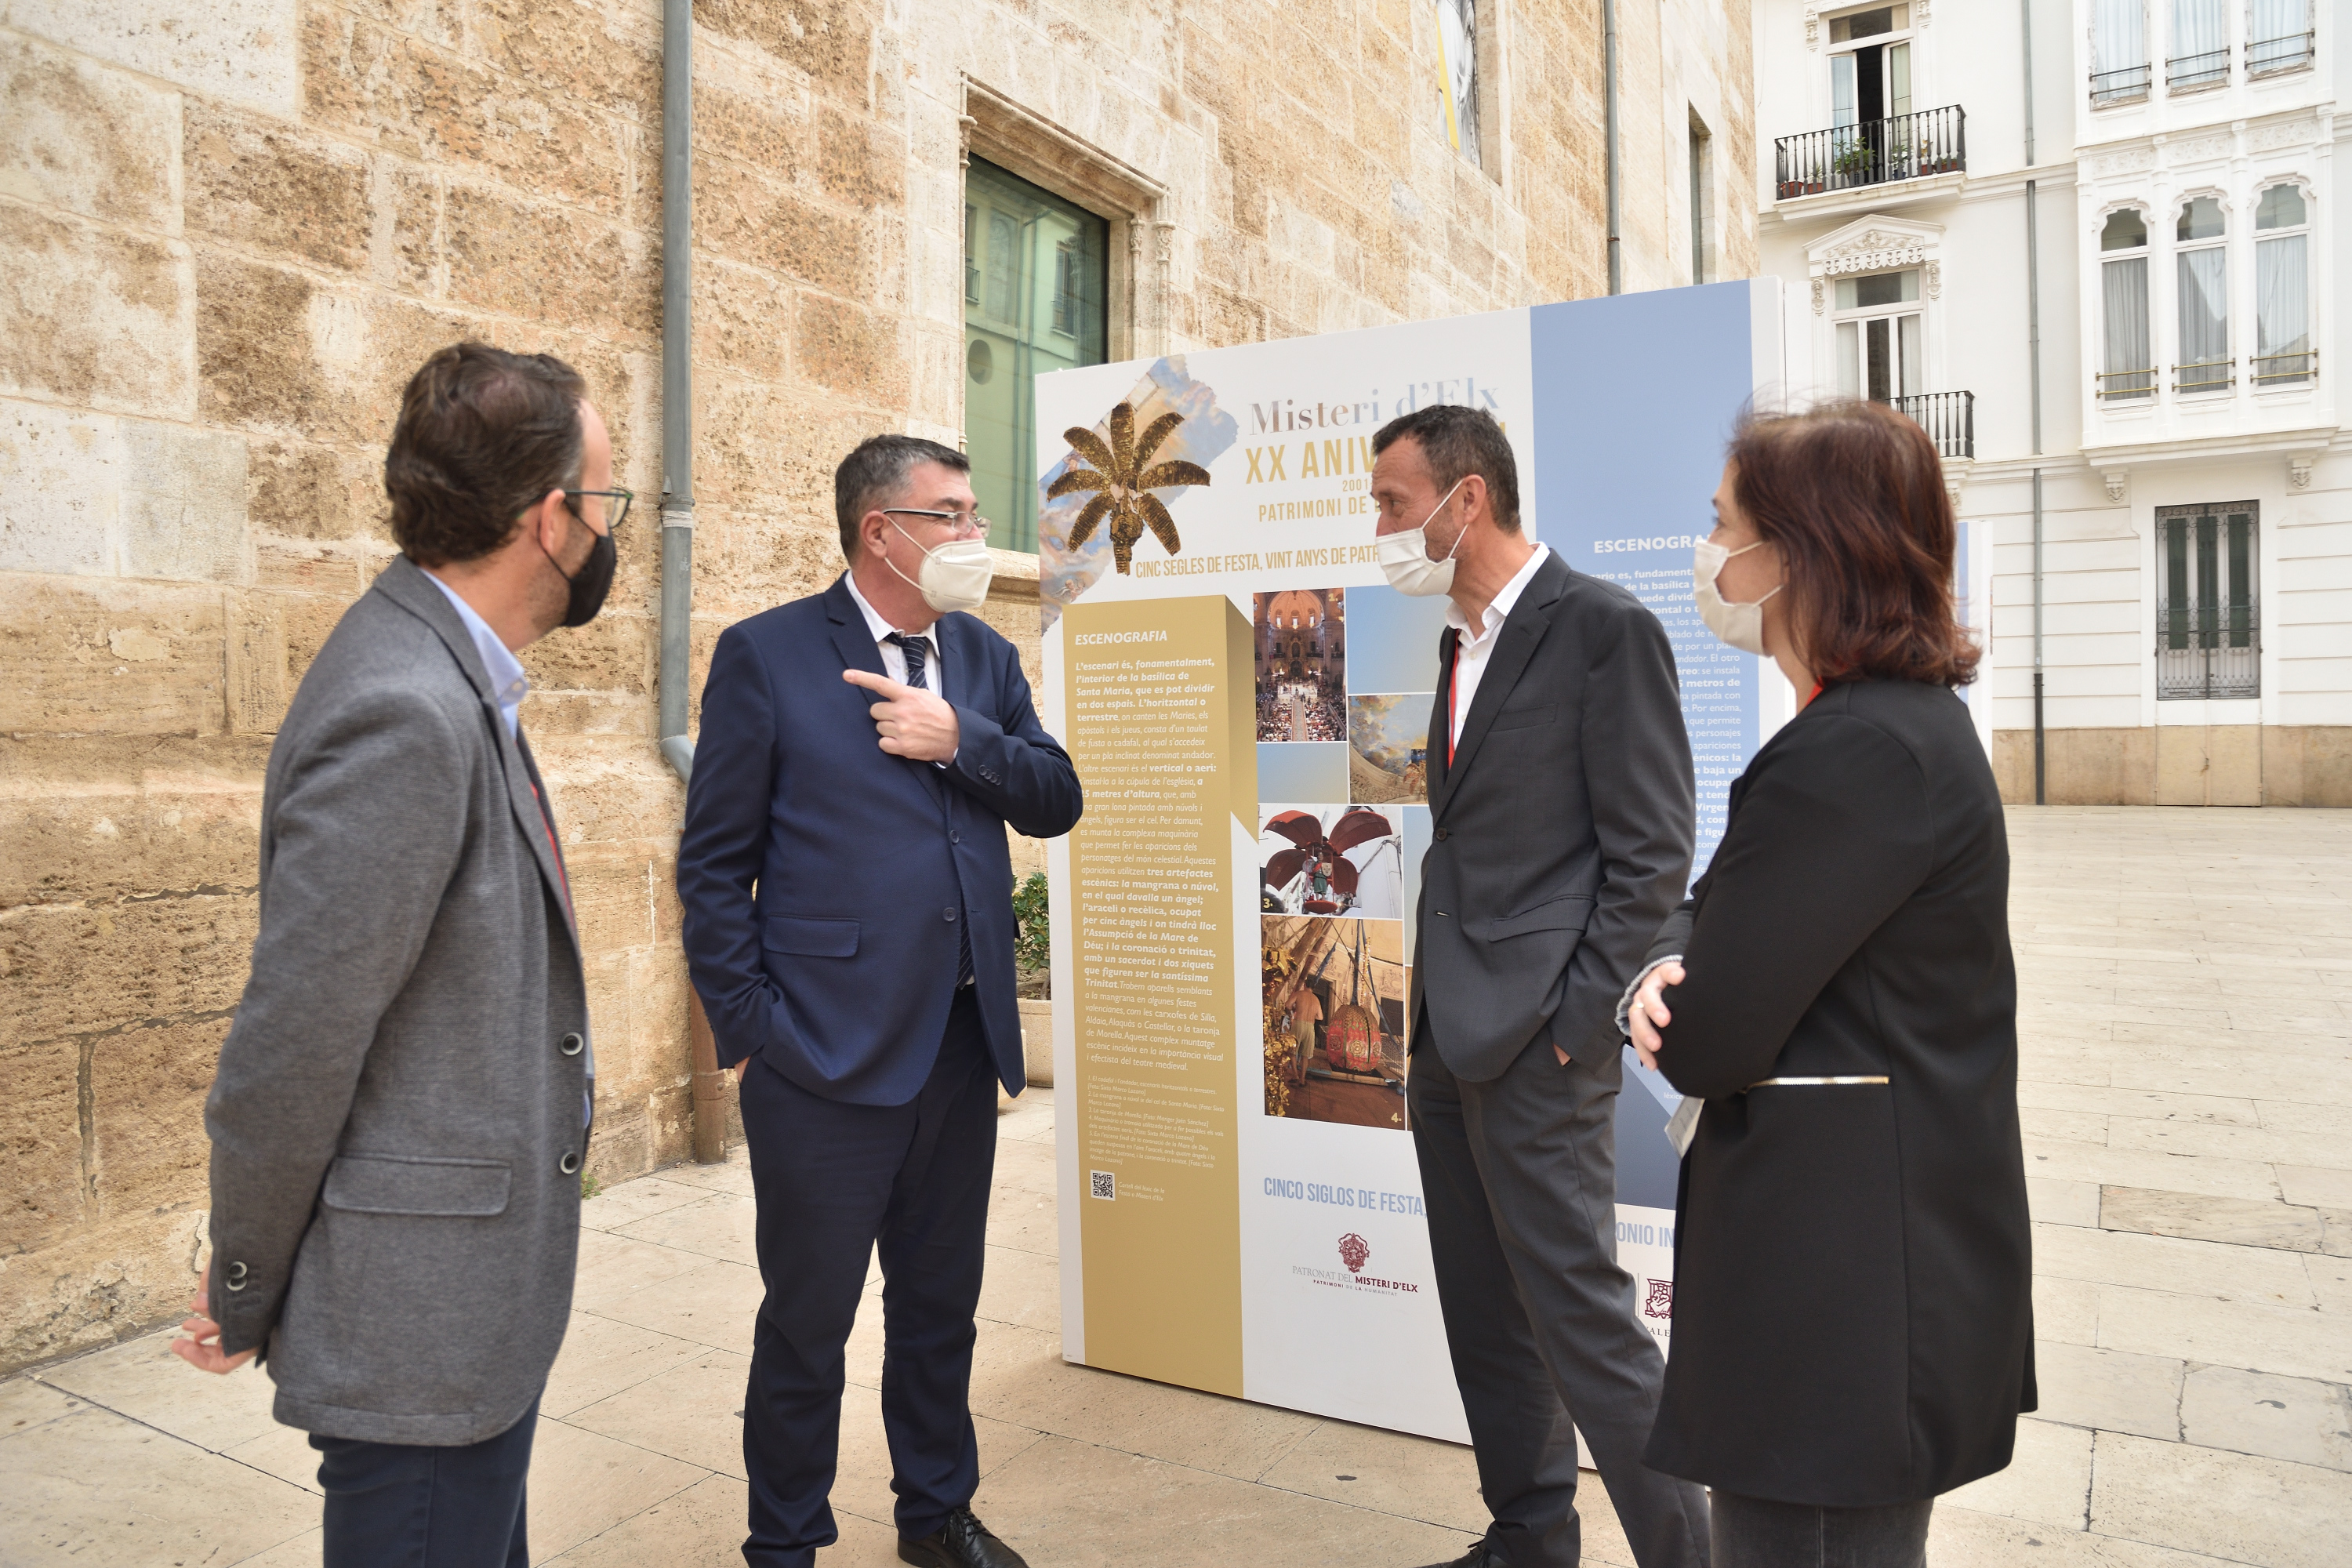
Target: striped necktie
<point x="918" y="650"/>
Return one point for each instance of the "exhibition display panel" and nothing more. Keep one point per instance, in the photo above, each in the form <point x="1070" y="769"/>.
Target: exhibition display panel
<point x="1248" y="703"/>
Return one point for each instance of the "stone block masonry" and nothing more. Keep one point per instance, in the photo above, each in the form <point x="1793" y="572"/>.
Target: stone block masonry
<point x="230" y="230"/>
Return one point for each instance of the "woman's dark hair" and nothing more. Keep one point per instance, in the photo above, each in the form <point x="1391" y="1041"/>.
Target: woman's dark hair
<point x="1852" y="496"/>
<point x="482" y="435"/>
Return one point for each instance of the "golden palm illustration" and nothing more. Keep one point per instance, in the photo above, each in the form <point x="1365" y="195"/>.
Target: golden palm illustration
<point x="1122" y="485"/>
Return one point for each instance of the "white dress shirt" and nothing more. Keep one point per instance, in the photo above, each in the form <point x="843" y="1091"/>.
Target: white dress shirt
<point x="509" y="684"/>
<point x="1471" y="654"/>
<point x="894" y="657"/>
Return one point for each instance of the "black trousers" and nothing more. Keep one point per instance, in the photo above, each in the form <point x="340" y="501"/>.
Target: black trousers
<point x="833" y="1181"/>
<point x="398" y="1505"/>
<point x="1750" y="1533"/>
<point x="1520" y="1180"/>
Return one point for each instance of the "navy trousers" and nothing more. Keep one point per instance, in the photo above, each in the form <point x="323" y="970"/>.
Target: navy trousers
<point x="834" y="1183"/>
<point x="398" y="1505"/>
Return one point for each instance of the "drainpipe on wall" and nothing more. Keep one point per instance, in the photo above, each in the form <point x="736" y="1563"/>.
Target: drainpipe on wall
<point x="1609" y="97"/>
<point x="2034" y="383"/>
<point x="678" y="499"/>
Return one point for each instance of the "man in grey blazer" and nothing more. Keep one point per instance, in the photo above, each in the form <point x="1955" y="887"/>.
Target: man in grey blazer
<point x="1561" y="807"/>
<point x="403" y="1104"/>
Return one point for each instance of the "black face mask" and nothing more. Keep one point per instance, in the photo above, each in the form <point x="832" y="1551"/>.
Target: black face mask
<point x="592" y="581"/>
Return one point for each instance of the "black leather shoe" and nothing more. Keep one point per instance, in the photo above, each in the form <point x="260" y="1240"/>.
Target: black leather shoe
<point x="1478" y="1556"/>
<point x="961" y="1542"/>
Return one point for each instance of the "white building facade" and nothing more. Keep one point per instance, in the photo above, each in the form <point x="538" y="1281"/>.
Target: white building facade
<point x="2097" y="263"/>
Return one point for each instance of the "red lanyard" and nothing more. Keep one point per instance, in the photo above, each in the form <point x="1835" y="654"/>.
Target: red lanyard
<point x="563" y="878"/>
<point x="1452" y="665"/>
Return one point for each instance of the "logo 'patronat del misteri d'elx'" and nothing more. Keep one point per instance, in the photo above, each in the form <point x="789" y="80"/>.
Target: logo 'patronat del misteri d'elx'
<point x="1122" y="485"/>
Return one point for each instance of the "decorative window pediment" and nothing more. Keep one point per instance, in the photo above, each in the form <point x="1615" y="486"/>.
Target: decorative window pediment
<point x="1877" y="244"/>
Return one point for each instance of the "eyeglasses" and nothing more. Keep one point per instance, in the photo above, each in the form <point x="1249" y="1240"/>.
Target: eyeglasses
<point x="961" y="521"/>
<point x="616" y="505"/>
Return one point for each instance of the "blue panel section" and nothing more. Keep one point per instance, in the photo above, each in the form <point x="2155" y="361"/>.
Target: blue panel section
<point x="1393" y="639"/>
<point x="1303" y="773"/>
<point x="1635" y="397"/>
<point x="1648" y="1170"/>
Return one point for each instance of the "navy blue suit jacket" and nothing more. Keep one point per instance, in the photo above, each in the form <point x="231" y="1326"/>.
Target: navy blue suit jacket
<point x="825" y="882"/>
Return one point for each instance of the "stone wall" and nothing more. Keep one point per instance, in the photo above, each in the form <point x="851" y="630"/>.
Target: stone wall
<point x="2179" y="764"/>
<point x="229" y="229"/>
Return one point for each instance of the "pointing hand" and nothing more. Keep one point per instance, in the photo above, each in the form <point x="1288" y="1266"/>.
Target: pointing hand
<point x="911" y="720"/>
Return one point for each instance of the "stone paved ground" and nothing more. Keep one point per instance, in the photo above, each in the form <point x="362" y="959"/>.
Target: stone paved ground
<point x="2186" y="981"/>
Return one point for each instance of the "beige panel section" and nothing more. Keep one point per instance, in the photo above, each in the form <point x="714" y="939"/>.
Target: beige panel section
<point x="2190" y="764"/>
<point x="2233" y="765"/>
<point x="2179" y="764"/>
<point x="2209" y="764"/>
<point x="1153" y="688"/>
<point x="2307" y="764"/>
<point x="2081" y="767"/>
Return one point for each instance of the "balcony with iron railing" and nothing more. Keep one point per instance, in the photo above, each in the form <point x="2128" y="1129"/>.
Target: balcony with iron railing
<point x="2205" y="375"/>
<point x="2268" y="57"/>
<point x="2190" y="73"/>
<point x="2129" y="84"/>
<point x="1950" y="419"/>
<point x="2201" y="72"/>
<point x="2285" y="370"/>
<point x="2200" y="378"/>
<point x="2124" y="385"/>
<point x="1871" y="153"/>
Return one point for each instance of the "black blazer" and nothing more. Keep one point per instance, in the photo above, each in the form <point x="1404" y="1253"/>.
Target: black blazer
<point x="1852" y="1311"/>
<point x="1561" y="829"/>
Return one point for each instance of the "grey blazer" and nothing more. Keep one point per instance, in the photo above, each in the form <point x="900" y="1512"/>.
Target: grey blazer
<point x="398" y="1120"/>
<point x="1561" y="829"/>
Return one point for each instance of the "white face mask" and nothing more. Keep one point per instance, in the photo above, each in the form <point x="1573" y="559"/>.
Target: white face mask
<point x="1741" y="626"/>
<point x="1404" y="557"/>
<point x="953" y="577"/>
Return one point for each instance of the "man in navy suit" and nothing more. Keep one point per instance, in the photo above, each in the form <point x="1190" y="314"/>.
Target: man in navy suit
<point x="848" y="917"/>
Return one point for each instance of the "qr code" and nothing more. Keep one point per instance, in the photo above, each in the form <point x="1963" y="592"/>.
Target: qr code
<point x="1103" y="1185"/>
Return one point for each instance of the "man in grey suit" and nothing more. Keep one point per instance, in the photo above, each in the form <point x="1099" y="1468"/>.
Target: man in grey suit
<point x="1561" y="813"/>
<point x="403" y="1104"/>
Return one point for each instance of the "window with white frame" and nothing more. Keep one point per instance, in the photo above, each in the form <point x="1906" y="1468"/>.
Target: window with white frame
<point x="2200" y="45"/>
<point x="2282" y="352"/>
<point x="1880" y="344"/>
<point x="2126" y="365"/>
<point x="2207" y="616"/>
<point x="2278" y="36"/>
<point x="1870" y="94"/>
<point x="2201" y="280"/>
<point x="2119" y="67"/>
<point x="1870" y="65"/>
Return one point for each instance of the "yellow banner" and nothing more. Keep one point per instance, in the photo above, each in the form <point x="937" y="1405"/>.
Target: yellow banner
<point x="1161" y="735"/>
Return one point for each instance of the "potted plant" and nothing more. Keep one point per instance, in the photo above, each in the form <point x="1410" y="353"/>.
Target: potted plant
<point x="1033" y="949"/>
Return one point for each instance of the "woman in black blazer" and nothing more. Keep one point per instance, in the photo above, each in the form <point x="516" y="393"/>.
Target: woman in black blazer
<point x="1853" y="1316"/>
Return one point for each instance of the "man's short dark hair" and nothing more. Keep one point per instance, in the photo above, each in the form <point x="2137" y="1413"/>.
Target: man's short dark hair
<point x="1455" y="441"/>
<point x="877" y="472"/>
<point x="482" y="435"/>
